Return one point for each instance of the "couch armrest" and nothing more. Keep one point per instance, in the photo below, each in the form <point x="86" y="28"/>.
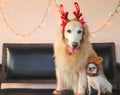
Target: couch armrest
<point x="118" y="75"/>
<point x="0" y="71"/>
<point x="0" y="74"/>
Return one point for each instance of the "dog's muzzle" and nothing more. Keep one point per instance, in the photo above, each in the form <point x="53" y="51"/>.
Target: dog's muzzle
<point x="74" y="45"/>
<point x="74" y="48"/>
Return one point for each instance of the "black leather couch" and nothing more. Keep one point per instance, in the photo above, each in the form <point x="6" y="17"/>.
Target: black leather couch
<point x="34" y="63"/>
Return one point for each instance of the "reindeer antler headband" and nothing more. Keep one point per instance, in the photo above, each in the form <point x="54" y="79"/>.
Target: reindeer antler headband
<point x="97" y="60"/>
<point x="77" y="13"/>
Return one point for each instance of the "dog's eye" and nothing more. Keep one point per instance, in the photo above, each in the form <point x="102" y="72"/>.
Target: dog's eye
<point x="69" y="31"/>
<point x="79" y="32"/>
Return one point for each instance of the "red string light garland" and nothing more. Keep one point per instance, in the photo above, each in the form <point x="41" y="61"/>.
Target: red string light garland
<point x="26" y="34"/>
<point x="45" y="15"/>
<point x="109" y="19"/>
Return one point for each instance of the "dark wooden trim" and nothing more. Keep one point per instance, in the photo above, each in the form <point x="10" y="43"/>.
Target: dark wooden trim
<point x="45" y="81"/>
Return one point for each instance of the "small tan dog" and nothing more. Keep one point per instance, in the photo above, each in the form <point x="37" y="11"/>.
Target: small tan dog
<point x="95" y="80"/>
<point x="71" y="51"/>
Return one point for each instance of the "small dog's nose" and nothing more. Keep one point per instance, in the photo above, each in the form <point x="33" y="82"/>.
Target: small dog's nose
<point x="90" y="69"/>
<point x="74" y="44"/>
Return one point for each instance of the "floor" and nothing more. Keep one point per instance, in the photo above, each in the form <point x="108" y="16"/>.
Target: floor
<point x="40" y="92"/>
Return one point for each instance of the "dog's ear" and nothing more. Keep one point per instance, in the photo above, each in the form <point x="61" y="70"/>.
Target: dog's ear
<point x="91" y="59"/>
<point x="86" y="32"/>
<point x="99" y="60"/>
<point x="59" y="33"/>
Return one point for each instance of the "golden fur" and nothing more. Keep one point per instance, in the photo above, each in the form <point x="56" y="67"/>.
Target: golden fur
<point x="71" y="69"/>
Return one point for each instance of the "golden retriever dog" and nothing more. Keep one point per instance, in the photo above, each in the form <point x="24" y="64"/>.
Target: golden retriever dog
<point x="71" y="51"/>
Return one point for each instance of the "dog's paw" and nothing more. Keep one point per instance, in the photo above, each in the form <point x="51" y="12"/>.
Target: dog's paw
<point x="57" y="92"/>
<point x="106" y="92"/>
<point x="89" y="93"/>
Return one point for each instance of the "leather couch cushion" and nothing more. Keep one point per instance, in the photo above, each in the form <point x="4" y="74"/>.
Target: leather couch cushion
<point x="37" y="62"/>
<point x="107" y="51"/>
<point x="30" y="63"/>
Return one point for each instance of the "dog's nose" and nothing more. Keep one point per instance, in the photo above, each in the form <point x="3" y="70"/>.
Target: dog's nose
<point x="74" y="44"/>
<point x="90" y="69"/>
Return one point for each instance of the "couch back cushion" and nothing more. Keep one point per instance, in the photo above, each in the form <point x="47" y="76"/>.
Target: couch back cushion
<point x="29" y="62"/>
<point x="107" y="51"/>
<point x="35" y="61"/>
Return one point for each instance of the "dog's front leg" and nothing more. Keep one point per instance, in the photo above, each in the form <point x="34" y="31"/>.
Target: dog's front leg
<point x="82" y="82"/>
<point x="59" y="88"/>
<point x="89" y="89"/>
<point x="99" y="89"/>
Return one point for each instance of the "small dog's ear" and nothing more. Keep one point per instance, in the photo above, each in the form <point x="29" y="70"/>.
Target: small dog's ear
<point x="99" y="60"/>
<point x="86" y="32"/>
<point x="90" y="59"/>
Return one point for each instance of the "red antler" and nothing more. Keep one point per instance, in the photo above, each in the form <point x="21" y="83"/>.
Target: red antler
<point x="77" y="12"/>
<point x="64" y="16"/>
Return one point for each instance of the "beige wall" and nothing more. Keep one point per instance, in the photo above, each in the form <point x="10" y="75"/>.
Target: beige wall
<point x="24" y="15"/>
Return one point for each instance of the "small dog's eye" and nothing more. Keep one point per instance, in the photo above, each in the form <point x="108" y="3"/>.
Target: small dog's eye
<point x="69" y="31"/>
<point x="79" y="32"/>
